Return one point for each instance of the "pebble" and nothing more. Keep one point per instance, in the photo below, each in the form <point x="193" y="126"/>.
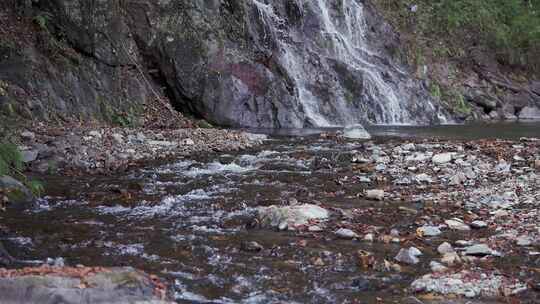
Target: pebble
<point x="315" y="228"/>
<point x="375" y="194"/>
<point x="437" y="267"/>
<point x="451" y="258"/>
<point x="457" y="224"/>
<point x="346" y="233"/>
<point x="118" y="138"/>
<point x="251" y="246"/>
<point x="478" y="250"/>
<point x="408" y="256"/>
<point x="29" y="156"/>
<point x="94" y="133"/>
<point x="442" y="158"/>
<point x="423" y="178"/>
<point x="458" y="179"/>
<point x="523" y="241"/>
<point x="445" y="248"/>
<point x="28" y="135"/>
<point x="479" y="224"/>
<point x="429" y="231"/>
<point x="369" y="237"/>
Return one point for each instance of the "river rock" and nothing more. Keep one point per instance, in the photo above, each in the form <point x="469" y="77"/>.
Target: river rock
<point x="408" y="256"/>
<point x="429" y="231"/>
<point x="346" y="234"/>
<point x="478" y="250"/>
<point x="28" y="135"/>
<point x="457" y="179"/>
<point x="451" y="258"/>
<point x="375" y="194"/>
<point x="442" y="158"/>
<point x="251" y="246"/>
<point x="423" y="178"/>
<point x="118" y="138"/>
<point x="468" y="283"/>
<point x="16" y="192"/>
<point x="457" y="224"/>
<point x="115" y="285"/>
<point x="290" y="217"/>
<point x="256" y="137"/>
<point x="369" y="237"/>
<point x="437" y="267"/>
<point x="356" y="132"/>
<point x="445" y="248"/>
<point x="479" y="224"/>
<point x="29" y="156"/>
<point x="529" y="112"/>
<point x="524" y="241"/>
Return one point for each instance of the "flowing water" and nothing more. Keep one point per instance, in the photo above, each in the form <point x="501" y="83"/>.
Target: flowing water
<point x="188" y="221"/>
<point x="334" y="36"/>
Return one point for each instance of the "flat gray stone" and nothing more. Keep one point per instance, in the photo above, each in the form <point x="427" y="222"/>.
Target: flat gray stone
<point x="478" y="250"/>
<point x="120" y="285"/>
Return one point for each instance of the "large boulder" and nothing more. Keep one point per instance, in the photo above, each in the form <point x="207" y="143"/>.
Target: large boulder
<point x="48" y="285"/>
<point x="16" y="193"/>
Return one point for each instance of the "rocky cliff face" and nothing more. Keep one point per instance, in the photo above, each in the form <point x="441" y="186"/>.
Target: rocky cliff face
<point x="258" y="63"/>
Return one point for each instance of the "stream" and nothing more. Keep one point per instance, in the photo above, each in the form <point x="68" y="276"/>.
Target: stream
<point x="190" y="221"/>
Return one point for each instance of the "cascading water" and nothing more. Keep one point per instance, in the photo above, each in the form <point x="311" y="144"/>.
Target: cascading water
<point x="339" y="78"/>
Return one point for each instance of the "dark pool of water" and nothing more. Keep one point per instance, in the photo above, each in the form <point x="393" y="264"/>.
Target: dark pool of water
<point x="471" y="131"/>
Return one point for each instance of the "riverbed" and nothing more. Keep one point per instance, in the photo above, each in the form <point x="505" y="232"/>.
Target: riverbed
<point x="193" y="221"/>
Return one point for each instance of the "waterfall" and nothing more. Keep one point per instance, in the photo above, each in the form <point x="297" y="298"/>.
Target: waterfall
<point x="341" y="39"/>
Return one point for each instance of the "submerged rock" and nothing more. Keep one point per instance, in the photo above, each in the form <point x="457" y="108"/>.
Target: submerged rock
<point x="80" y="286"/>
<point x="290" y="217"/>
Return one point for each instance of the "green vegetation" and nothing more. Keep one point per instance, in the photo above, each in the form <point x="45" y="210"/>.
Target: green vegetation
<point x="508" y="28"/>
<point x="11" y="163"/>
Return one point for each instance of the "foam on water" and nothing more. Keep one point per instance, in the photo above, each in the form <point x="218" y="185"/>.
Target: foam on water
<point x="218" y="168"/>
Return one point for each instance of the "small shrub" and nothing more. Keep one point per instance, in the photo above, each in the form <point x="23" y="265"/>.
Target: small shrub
<point x="11" y="163"/>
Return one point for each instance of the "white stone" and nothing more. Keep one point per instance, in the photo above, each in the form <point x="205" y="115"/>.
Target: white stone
<point x="28" y="135"/>
<point x="479" y="224"/>
<point x="479" y="249"/>
<point x="346" y="233"/>
<point x="291" y="217"/>
<point x="445" y="248"/>
<point x="429" y="231"/>
<point x="457" y="224"/>
<point x="407" y="256"/>
<point x="442" y="158"/>
<point x="375" y="194"/>
<point x="437" y="267"/>
<point x="369" y="237"/>
<point x="523" y="241"/>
